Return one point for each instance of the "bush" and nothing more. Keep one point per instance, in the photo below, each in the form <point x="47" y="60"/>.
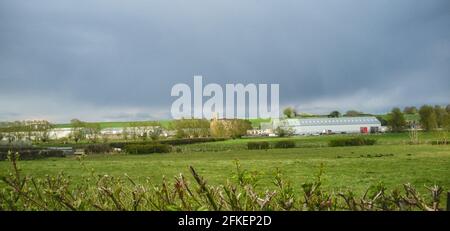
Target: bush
<point x="97" y="148"/>
<point x="258" y="145"/>
<point x="285" y="144"/>
<point x="33" y="154"/>
<point x="147" y="148"/>
<point x="355" y="141"/>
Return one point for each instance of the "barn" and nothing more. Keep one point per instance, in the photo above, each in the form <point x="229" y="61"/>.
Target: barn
<point x="311" y="126"/>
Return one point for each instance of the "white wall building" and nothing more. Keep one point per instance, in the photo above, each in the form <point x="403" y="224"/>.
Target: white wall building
<point x="58" y="133"/>
<point x="310" y="126"/>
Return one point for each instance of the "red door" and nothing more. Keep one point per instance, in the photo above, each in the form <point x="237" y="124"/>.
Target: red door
<point x="364" y="130"/>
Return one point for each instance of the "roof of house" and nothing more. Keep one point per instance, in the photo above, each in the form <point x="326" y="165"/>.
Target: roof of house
<point x="331" y="121"/>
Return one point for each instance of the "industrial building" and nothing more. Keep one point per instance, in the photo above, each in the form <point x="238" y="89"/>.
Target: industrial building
<point x="311" y="126"/>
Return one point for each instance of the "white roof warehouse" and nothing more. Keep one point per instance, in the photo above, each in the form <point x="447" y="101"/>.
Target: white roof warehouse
<point x="307" y="126"/>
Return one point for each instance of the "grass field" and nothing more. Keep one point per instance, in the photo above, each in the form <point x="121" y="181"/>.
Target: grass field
<point x="391" y="161"/>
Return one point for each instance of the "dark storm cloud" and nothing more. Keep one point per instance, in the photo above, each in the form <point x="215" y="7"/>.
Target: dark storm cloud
<point x="118" y="60"/>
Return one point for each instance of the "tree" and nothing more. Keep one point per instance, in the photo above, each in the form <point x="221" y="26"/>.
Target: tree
<point x="239" y="128"/>
<point x="92" y="131"/>
<point x="155" y="132"/>
<point x="125" y="133"/>
<point x="43" y="131"/>
<point x="78" y="132"/>
<point x="396" y="120"/>
<point x="191" y="127"/>
<point x="353" y="113"/>
<point x="446" y="122"/>
<point x="234" y="128"/>
<point x="428" y="119"/>
<point x="283" y="132"/>
<point x="218" y="129"/>
<point x="447" y="108"/>
<point x="334" y="114"/>
<point x="410" y="110"/>
<point x="440" y="115"/>
<point x="382" y="120"/>
<point x="290" y="112"/>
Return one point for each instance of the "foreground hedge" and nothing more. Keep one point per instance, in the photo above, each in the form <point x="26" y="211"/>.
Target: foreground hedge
<point x="240" y="193"/>
<point x="355" y="141"/>
<point x="147" y="148"/>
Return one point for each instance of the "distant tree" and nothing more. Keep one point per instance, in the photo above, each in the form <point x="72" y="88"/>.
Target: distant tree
<point x="290" y="112"/>
<point x="191" y="127"/>
<point x="396" y="120"/>
<point x="76" y="122"/>
<point x="284" y="132"/>
<point x="334" y="114"/>
<point x="353" y="113"/>
<point x="447" y="108"/>
<point x="410" y="110"/>
<point x="78" y="131"/>
<point x="218" y="129"/>
<point x="180" y="134"/>
<point x="239" y="128"/>
<point x="92" y="131"/>
<point x="43" y="131"/>
<point x="145" y="129"/>
<point x="382" y="120"/>
<point x="155" y="133"/>
<point x="440" y="115"/>
<point x="428" y="119"/>
<point x="446" y="122"/>
<point x="125" y="133"/>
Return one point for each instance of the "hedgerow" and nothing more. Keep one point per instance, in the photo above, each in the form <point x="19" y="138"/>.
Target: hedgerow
<point x="258" y="145"/>
<point x="354" y="141"/>
<point x="147" y="148"/>
<point x="284" y="144"/>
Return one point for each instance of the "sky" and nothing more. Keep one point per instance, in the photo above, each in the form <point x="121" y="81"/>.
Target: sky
<point x="105" y="60"/>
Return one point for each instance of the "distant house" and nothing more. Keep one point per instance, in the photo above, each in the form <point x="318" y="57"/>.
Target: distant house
<point x="311" y="126"/>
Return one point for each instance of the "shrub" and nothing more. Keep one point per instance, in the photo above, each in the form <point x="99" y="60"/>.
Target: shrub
<point x="258" y="145"/>
<point x="285" y="144"/>
<point x="355" y="141"/>
<point x="147" y="148"/>
<point x="33" y="154"/>
<point x="97" y="148"/>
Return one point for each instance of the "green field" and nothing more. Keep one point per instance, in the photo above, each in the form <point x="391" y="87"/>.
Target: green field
<point x="391" y="161"/>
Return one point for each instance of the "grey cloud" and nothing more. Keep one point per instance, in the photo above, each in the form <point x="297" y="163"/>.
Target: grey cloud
<point x="122" y="58"/>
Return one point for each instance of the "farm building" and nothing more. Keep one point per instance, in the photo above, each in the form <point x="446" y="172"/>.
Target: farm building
<point x="310" y="126"/>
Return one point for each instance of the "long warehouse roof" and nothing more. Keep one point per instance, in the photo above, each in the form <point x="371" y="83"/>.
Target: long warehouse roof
<point x="330" y="121"/>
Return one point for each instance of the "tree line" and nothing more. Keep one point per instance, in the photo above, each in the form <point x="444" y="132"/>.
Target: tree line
<point x="430" y="118"/>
